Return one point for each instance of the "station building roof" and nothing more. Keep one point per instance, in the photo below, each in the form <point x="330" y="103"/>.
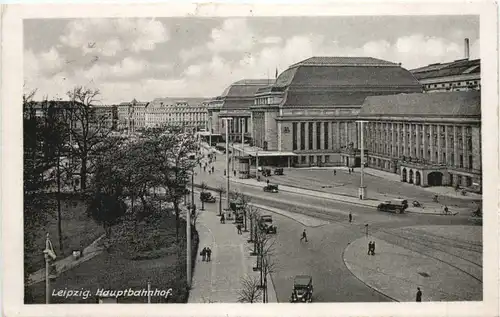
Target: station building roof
<point x="240" y="95"/>
<point x="342" y="81"/>
<point x="455" y="68"/>
<point x="438" y="104"/>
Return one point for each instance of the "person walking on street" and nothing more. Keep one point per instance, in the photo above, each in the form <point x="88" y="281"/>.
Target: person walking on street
<point x="222" y="219"/>
<point x="239" y="228"/>
<point x="419" y="295"/>
<point x="369" y="247"/>
<point x="209" y="254"/>
<point x="213" y="169"/>
<point x="267" y="182"/>
<point x="304" y="235"/>
<point x="203" y="253"/>
<point x="373" y="247"/>
<point x="234" y="172"/>
<point x="334" y="172"/>
<point x="224" y="172"/>
<point x="205" y="167"/>
<point x="350" y="216"/>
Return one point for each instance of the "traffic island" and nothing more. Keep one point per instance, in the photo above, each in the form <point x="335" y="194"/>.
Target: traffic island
<point x="396" y="272"/>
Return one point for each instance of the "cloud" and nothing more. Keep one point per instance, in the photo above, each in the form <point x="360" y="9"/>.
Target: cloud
<point x="45" y="63"/>
<point x="233" y="35"/>
<point x="271" y="40"/>
<point x="109" y="36"/>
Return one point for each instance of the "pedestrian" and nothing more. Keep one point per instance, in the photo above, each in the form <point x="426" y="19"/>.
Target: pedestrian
<point x="205" y="168"/>
<point x="304" y="235"/>
<point x="334" y="172"/>
<point x="349" y="170"/>
<point x="213" y="169"/>
<point x="445" y="209"/>
<point x="209" y="254"/>
<point x="222" y="219"/>
<point x="267" y="182"/>
<point x="419" y="295"/>
<point x="239" y="228"/>
<point x="369" y="247"/>
<point x="224" y="172"/>
<point x="234" y="172"/>
<point x="203" y="253"/>
<point x="373" y="248"/>
<point x="350" y="216"/>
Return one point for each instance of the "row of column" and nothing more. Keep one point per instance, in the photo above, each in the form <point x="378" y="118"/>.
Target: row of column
<point x="340" y="134"/>
<point x="401" y="141"/>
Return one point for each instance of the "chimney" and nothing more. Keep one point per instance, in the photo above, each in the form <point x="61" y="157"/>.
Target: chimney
<point x="466" y="48"/>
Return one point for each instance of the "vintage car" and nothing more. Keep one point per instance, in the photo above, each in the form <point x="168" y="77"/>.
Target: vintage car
<point x="278" y="171"/>
<point x="302" y="289"/>
<point x="271" y="188"/>
<point x="394" y="205"/>
<point x="207" y="197"/>
<point x="266" y="224"/>
<point x="266" y="172"/>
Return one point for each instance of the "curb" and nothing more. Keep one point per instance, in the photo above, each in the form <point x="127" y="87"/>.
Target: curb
<point x="314" y="195"/>
<point x="369" y="286"/>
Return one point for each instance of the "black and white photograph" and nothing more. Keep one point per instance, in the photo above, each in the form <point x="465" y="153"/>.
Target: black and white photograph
<point x="254" y="158"/>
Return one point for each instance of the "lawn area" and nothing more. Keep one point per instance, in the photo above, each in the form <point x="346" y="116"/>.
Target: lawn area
<point x="151" y="254"/>
<point x="77" y="228"/>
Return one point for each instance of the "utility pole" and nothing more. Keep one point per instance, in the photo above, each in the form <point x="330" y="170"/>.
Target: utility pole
<point x="242" y="136"/>
<point x="362" y="187"/>
<point x="227" y="160"/>
<point x="188" y="232"/>
<point x="210" y="130"/>
<point x="59" y="220"/>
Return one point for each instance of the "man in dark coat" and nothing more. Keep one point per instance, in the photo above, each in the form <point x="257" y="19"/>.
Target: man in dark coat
<point x="203" y="253"/>
<point x="209" y="254"/>
<point x="304" y="235"/>
<point x="350" y="217"/>
<point x="419" y="295"/>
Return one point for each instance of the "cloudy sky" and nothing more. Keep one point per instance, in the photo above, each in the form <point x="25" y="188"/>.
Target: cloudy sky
<point x="198" y="57"/>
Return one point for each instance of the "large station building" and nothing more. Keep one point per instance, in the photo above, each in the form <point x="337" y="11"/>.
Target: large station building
<point x="428" y="139"/>
<point x="311" y="109"/>
<point x="235" y="103"/>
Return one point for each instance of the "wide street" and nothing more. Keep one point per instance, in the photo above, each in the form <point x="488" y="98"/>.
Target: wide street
<point x="322" y="256"/>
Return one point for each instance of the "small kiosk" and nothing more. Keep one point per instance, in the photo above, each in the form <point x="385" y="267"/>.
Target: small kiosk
<point x="244" y="166"/>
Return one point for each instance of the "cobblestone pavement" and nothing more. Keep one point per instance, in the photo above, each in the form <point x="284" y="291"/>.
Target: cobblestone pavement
<point x="444" y="261"/>
<point x="219" y="281"/>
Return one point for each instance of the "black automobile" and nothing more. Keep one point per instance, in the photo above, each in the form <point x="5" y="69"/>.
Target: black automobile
<point x="302" y="289"/>
<point x="394" y="205"/>
<point x="278" y="171"/>
<point x="207" y="197"/>
<point x="271" y="188"/>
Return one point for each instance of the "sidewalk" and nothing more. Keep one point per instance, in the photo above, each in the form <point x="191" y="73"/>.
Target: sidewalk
<point x="69" y="262"/>
<point x="220" y="280"/>
<point x="397" y="272"/>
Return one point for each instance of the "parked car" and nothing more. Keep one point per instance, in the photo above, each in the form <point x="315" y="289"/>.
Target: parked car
<point x="278" y="171"/>
<point x="266" y="172"/>
<point x="394" y="205"/>
<point x="207" y="197"/>
<point x="266" y="224"/>
<point x="302" y="289"/>
<point x="271" y="188"/>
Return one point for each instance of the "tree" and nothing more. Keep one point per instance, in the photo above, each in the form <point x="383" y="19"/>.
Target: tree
<point x="89" y="130"/>
<point x="251" y="292"/>
<point x="265" y="248"/>
<point x="37" y="208"/>
<point x="107" y="210"/>
<point x="244" y="203"/>
<point x="220" y="190"/>
<point x="203" y="187"/>
<point x="172" y="152"/>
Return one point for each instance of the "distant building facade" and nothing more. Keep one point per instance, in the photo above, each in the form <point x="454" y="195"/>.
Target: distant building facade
<point x="188" y="112"/>
<point x="459" y="75"/>
<point x="312" y="107"/>
<point x="235" y="103"/>
<point x="132" y="115"/>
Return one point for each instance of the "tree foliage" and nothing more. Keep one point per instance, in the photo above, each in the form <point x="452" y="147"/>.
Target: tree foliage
<point x="250" y="291"/>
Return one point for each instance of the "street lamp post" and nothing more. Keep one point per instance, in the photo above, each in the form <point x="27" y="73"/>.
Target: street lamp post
<point x="210" y="130"/>
<point x="362" y="187"/>
<point x="242" y="135"/>
<point x="226" y="120"/>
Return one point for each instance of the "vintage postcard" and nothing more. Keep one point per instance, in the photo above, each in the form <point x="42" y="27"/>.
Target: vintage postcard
<point x="207" y="159"/>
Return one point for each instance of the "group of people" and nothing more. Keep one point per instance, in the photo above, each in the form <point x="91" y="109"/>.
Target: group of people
<point x="371" y="248"/>
<point x="206" y="254"/>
